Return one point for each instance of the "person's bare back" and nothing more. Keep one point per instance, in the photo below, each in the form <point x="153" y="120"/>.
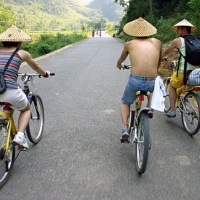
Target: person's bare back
<point x="144" y="54"/>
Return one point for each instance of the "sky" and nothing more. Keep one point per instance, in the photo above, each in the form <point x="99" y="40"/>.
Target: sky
<point x="86" y="1"/>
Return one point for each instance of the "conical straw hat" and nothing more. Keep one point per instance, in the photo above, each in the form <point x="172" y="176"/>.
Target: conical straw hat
<point x="183" y="23"/>
<point x="139" y="28"/>
<point x="14" y="34"/>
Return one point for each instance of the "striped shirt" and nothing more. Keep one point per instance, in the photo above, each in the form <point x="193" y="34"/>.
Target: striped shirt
<point x="11" y="73"/>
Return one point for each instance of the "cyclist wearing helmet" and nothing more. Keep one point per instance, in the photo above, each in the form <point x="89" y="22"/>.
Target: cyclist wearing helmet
<point x="183" y="28"/>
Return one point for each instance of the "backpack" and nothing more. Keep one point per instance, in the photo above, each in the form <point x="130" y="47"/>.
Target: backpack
<point x="192" y="52"/>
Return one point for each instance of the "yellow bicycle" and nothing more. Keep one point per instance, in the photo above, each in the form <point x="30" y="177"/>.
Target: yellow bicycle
<point x="8" y="151"/>
<point x="187" y="104"/>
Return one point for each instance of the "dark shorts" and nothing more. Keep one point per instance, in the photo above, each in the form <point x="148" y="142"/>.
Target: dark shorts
<point x="134" y="84"/>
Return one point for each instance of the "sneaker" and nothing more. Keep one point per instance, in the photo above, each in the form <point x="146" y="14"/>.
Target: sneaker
<point x="20" y="140"/>
<point x="171" y="113"/>
<point x="125" y="134"/>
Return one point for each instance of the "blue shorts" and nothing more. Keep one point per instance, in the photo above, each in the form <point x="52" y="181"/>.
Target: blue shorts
<point x="134" y="84"/>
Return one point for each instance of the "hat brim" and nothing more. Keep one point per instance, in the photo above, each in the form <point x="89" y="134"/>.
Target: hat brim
<point x="183" y="23"/>
<point x="175" y="28"/>
<point x="14" y="34"/>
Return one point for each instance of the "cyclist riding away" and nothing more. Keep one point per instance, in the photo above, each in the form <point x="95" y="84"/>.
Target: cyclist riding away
<point x="183" y="28"/>
<point x="12" y="39"/>
<point x="145" y="57"/>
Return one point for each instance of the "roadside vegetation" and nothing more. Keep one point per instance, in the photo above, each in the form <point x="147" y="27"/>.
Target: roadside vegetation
<point x="44" y="43"/>
<point x="162" y="14"/>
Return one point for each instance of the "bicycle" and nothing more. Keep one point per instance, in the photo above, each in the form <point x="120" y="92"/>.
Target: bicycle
<point x="8" y="129"/>
<point x="187" y="104"/>
<point x="138" y="129"/>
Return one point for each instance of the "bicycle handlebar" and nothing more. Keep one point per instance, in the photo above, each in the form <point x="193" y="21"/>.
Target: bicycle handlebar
<point x="173" y="63"/>
<point x="28" y="76"/>
<point x="127" y="66"/>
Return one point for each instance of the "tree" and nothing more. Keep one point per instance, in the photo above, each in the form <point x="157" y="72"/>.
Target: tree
<point x="109" y="27"/>
<point x="194" y="14"/>
<point x="6" y="17"/>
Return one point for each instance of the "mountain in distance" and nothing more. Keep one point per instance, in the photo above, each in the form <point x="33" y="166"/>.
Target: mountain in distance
<point x="61" y="14"/>
<point x="111" y="11"/>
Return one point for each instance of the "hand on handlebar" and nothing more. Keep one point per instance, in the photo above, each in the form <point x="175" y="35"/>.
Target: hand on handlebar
<point x="47" y="74"/>
<point x="121" y="66"/>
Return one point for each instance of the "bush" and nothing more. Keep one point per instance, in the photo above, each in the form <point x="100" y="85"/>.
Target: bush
<point x="50" y="42"/>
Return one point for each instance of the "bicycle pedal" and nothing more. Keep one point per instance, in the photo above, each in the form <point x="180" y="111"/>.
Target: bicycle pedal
<point x="126" y="141"/>
<point x="21" y="148"/>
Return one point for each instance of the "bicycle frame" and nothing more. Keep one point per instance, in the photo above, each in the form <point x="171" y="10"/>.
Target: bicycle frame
<point x="11" y="127"/>
<point x="138" y="111"/>
<point x="138" y="103"/>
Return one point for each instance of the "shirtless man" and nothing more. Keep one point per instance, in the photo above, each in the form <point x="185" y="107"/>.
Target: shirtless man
<point x="145" y="58"/>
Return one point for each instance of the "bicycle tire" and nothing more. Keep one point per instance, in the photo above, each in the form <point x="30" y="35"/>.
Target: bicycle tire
<point x="167" y="87"/>
<point x="190" y="113"/>
<point x="6" y="164"/>
<point x="35" y="126"/>
<point x="142" y="143"/>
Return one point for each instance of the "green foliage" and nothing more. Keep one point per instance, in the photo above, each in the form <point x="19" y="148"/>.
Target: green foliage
<point x="46" y="15"/>
<point x="162" y="14"/>
<point x="6" y="17"/>
<point x="50" y="42"/>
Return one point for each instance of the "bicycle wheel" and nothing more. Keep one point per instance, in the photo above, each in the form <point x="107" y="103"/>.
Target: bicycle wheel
<point x="167" y="87"/>
<point x="190" y="113"/>
<point x="142" y="143"/>
<point x="6" y="161"/>
<point x="35" y="127"/>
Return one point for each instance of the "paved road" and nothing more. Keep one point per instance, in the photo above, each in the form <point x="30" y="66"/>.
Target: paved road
<point x="80" y="156"/>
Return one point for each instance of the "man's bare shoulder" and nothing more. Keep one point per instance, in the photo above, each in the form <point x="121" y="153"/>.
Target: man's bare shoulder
<point x="130" y="42"/>
<point x="155" y="40"/>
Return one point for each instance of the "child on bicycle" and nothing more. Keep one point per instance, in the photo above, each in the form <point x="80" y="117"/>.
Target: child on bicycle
<point x="183" y="28"/>
<point x="12" y="39"/>
<point x="145" y="57"/>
